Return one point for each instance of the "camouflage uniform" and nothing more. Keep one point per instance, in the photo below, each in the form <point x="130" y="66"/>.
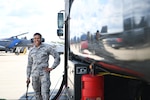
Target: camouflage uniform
<point x="38" y="60"/>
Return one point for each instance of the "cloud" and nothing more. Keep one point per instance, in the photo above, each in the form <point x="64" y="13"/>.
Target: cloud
<point x="19" y="16"/>
<point x="91" y="15"/>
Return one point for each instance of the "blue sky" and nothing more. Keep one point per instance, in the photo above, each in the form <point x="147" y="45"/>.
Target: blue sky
<point x="19" y="16"/>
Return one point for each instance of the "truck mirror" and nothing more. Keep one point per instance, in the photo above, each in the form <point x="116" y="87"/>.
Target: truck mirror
<point x="60" y="20"/>
<point x="60" y="32"/>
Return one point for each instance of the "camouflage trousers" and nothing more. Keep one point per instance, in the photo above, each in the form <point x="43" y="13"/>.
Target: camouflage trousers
<point x="41" y="86"/>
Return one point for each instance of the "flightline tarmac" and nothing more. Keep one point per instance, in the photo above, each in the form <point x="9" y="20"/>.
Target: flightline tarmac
<point x="13" y="75"/>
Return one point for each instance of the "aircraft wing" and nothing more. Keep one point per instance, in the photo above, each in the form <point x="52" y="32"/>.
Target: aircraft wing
<point x="2" y="48"/>
<point x="24" y="43"/>
<point x="4" y="40"/>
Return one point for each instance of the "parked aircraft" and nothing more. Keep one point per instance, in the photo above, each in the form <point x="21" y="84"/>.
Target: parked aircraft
<point x="10" y="44"/>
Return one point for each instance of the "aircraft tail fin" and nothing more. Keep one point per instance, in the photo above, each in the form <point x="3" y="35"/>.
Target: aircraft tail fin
<point x="104" y="29"/>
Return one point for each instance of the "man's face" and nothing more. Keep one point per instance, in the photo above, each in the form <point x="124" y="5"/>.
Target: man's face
<point x="37" y="40"/>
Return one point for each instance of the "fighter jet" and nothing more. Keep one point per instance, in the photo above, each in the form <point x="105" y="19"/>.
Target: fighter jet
<point x="10" y="44"/>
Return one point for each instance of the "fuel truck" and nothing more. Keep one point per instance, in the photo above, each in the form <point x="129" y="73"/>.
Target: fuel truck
<point x="107" y="49"/>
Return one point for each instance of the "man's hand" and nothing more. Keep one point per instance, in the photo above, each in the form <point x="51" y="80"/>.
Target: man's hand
<point x="28" y="81"/>
<point x="48" y="69"/>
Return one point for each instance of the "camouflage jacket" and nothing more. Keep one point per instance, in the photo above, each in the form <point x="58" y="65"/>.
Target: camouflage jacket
<point x="38" y="58"/>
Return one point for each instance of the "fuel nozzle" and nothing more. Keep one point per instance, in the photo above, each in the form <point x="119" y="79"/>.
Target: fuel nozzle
<point x="91" y="66"/>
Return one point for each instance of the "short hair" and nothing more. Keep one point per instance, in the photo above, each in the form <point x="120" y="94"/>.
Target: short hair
<point x="37" y="34"/>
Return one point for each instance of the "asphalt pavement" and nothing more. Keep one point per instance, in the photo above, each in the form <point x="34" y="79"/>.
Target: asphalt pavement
<point x="13" y="75"/>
